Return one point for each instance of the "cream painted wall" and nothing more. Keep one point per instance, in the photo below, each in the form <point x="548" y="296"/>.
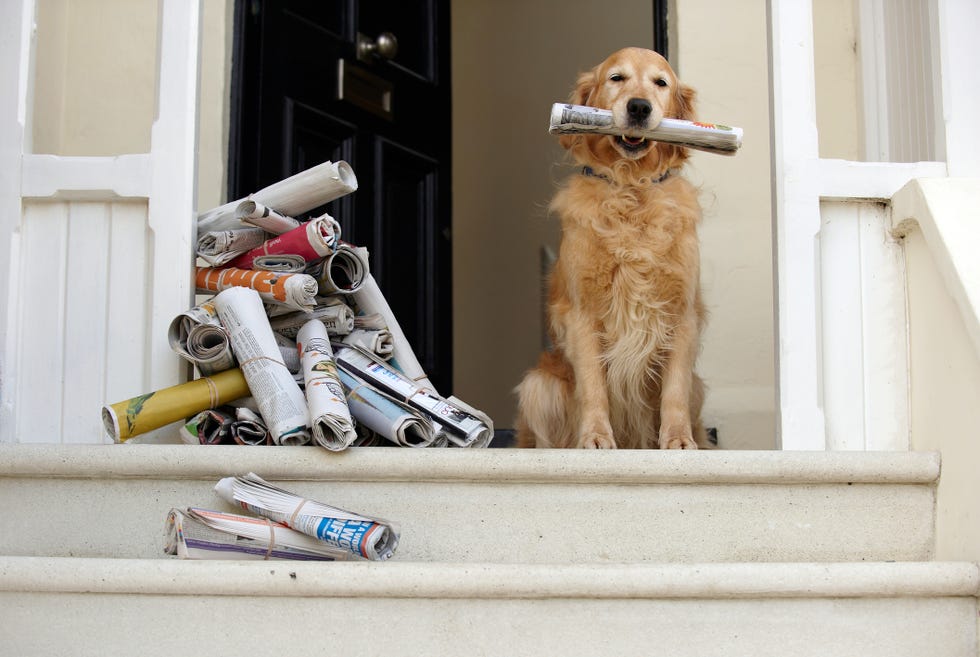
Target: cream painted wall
<point x="95" y="85"/>
<point x="945" y="382"/>
<point x="512" y="60"/>
<point x="836" y="68"/>
<point x="96" y="75"/>
<point x="722" y="51"/>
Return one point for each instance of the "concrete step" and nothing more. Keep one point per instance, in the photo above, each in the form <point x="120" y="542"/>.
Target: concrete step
<point x="495" y="506"/>
<point x="80" y="607"/>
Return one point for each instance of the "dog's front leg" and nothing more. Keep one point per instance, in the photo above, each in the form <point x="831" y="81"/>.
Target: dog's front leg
<point x="583" y="351"/>
<point x="675" y="400"/>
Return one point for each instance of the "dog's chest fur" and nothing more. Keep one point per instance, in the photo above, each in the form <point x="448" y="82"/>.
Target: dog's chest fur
<point x="628" y="250"/>
<point x="626" y="259"/>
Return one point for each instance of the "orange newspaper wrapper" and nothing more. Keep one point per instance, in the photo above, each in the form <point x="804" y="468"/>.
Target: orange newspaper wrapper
<point x="153" y="410"/>
<point x="297" y="291"/>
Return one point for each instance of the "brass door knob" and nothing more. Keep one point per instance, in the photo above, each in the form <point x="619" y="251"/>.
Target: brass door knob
<point x="384" y="47"/>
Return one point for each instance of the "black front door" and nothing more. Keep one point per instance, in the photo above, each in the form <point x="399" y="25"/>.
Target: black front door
<point x="317" y="80"/>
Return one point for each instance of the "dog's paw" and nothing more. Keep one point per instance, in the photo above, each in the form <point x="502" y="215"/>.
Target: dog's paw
<point x="597" y="438"/>
<point x="597" y="441"/>
<point x="677" y="438"/>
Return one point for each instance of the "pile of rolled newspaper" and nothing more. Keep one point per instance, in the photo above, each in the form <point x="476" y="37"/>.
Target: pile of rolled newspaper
<point x="297" y="345"/>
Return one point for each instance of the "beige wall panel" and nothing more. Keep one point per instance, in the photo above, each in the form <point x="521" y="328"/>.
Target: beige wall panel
<point x="511" y="60"/>
<point x="96" y="76"/>
<point x="722" y="52"/>
<point x="945" y="373"/>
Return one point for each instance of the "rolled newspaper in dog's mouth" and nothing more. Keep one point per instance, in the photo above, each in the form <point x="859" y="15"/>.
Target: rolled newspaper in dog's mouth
<point x="708" y="137"/>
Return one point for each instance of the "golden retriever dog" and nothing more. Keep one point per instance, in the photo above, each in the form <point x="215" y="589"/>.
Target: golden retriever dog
<point x="624" y="304"/>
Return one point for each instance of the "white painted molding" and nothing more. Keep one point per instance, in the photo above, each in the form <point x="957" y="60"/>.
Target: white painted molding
<point x="959" y="52"/>
<point x="16" y="37"/>
<point x="873" y="82"/>
<point x="796" y="223"/>
<point x="173" y="184"/>
<point x="844" y="179"/>
<point x="865" y="376"/>
<point x="86" y="178"/>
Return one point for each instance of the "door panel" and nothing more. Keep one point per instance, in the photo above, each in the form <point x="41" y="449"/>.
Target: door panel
<point x="390" y="120"/>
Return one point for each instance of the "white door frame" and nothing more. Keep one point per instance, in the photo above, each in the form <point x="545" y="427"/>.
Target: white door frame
<point x="801" y="180"/>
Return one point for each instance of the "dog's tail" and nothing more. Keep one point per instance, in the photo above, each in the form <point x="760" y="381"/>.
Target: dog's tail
<point x="545" y="415"/>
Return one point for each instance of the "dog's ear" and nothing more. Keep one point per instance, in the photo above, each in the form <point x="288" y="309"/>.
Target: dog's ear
<point x="685" y="98"/>
<point x="580" y="95"/>
<point x="584" y="87"/>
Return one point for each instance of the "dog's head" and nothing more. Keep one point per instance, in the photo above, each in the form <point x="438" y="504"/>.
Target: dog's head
<point x="640" y="88"/>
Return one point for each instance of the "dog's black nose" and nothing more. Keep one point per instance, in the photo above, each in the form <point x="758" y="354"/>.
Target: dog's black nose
<point x="638" y="109"/>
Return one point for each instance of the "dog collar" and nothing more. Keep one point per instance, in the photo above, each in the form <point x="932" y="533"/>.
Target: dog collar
<point x="589" y="171"/>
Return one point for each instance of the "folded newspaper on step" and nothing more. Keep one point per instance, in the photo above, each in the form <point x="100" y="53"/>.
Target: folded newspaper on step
<point x="370" y="538"/>
<point x="193" y="533"/>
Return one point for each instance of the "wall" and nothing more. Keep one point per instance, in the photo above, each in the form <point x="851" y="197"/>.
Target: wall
<point x="722" y="51"/>
<point x="95" y="83"/>
<point x="944" y="359"/>
<point x="836" y="68"/>
<point x="506" y="172"/>
<point x="94" y="90"/>
<point x="945" y="414"/>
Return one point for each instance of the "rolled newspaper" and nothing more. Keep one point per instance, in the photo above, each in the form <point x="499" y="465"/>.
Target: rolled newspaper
<point x="249" y="429"/>
<point x="193" y="533"/>
<point x="337" y="316"/>
<point x="210" y="427"/>
<point x="209" y="347"/>
<point x="287" y="349"/>
<point x="343" y="271"/>
<point x="709" y="137"/>
<point x="256" y="214"/>
<point x="394" y="420"/>
<point x="153" y="410"/>
<point x="296" y="291"/>
<point x="308" y="242"/>
<point x="219" y="247"/>
<point x="281" y="402"/>
<point x="370" y="538"/>
<point x="378" y="341"/>
<point x="198" y="336"/>
<point x="290" y="197"/>
<point x="330" y="417"/>
<point x="464" y="427"/>
<point x="370" y="301"/>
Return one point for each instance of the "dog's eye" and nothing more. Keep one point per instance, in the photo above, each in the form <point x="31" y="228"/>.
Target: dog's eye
<point x="616" y="77"/>
<point x="660" y="82"/>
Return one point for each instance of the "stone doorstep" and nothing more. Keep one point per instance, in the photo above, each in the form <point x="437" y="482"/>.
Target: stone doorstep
<point x="504" y="465"/>
<point x="123" y="606"/>
<point x="500" y="506"/>
<point x="394" y="579"/>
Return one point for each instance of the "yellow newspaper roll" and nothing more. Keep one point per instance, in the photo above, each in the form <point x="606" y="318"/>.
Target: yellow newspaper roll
<point x="153" y="410"/>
